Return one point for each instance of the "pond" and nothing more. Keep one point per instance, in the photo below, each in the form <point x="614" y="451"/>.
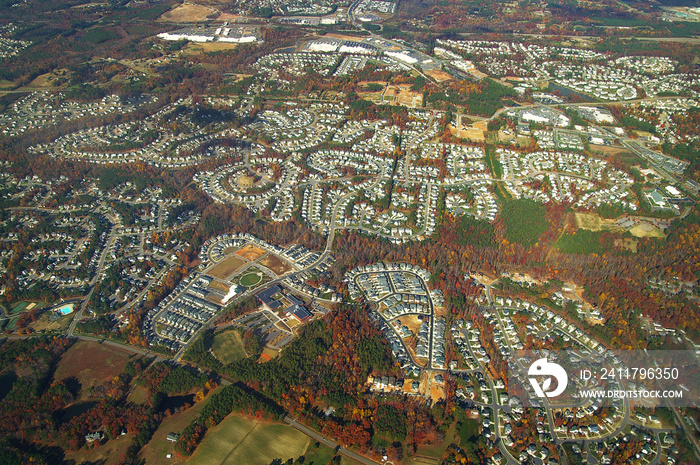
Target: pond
<point x="566" y="91"/>
<point x="176" y="402"/>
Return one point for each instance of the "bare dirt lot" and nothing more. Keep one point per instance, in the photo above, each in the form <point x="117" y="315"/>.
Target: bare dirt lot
<point x="609" y="150"/>
<point x="439" y="75"/>
<point x="593" y="222"/>
<point x="276" y="264"/>
<point x="226" y="267"/>
<point x="411" y="322"/>
<point x="218" y="285"/>
<point x="209" y="47"/>
<point x="476" y="131"/>
<point x="251" y="252"/>
<point x="402" y="95"/>
<point x="188" y="13"/>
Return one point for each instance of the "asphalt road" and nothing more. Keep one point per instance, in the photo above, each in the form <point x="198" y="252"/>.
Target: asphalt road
<point x="313" y="434"/>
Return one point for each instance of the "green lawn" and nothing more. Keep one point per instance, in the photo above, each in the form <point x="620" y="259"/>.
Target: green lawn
<point x="250" y="279"/>
<point x="227" y="347"/>
<point x="241" y="440"/>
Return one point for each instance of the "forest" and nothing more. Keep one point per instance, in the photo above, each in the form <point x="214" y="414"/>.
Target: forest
<point x="524" y="221"/>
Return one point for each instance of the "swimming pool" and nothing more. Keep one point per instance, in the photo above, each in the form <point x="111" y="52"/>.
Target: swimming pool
<point x="66" y="309"/>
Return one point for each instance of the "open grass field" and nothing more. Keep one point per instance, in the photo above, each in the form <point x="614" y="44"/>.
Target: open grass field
<point x="226" y="267"/>
<point x="240" y="440"/>
<point x="188" y="13"/>
<point x="227" y="347"/>
<point x="250" y="279"/>
<point x="646" y="230"/>
<point x="45" y="80"/>
<point x="251" y="252"/>
<point x="92" y="364"/>
<point x="276" y="264"/>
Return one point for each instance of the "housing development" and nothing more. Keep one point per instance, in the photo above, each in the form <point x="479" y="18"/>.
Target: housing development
<point x="265" y="231"/>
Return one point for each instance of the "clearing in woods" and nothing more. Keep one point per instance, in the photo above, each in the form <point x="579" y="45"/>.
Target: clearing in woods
<point x="226" y="267"/>
<point x="439" y="75"/>
<point x="188" y="13"/>
<point x="207" y="47"/>
<point x="158" y="447"/>
<point x="593" y="222"/>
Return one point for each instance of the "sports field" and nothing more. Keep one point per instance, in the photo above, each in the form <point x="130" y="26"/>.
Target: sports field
<point x="250" y="279"/>
<point x="226" y="267"/>
<point x="227" y="347"/>
<point x="240" y="440"/>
